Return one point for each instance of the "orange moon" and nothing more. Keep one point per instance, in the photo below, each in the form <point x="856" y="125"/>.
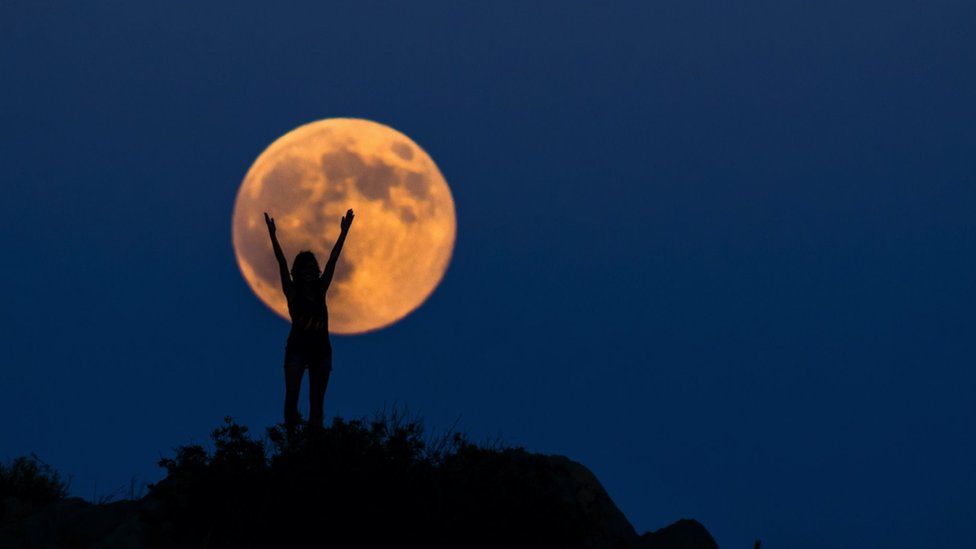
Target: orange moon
<point x="400" y="242"/>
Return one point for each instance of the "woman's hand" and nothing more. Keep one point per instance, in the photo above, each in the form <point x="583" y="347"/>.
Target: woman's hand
<point x="346" y="220"/>
<point x="271" y="226"/>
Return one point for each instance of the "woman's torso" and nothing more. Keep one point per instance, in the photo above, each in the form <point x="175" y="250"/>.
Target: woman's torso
<point x="309" y="317"/>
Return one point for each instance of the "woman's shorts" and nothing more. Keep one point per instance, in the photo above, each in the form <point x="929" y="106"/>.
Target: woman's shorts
<point x="296" y="357"/>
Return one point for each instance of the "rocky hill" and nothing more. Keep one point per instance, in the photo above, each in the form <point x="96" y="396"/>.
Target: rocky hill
<point x="352" y="484"/>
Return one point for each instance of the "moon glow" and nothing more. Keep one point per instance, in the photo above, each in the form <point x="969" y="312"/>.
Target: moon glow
<point x="399" y="245"/>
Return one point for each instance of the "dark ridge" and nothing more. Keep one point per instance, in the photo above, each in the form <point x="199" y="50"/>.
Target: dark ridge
<point x="374" y="483"/>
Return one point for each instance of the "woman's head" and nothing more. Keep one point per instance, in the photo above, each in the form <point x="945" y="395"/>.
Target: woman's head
<point x="305" y="268"/>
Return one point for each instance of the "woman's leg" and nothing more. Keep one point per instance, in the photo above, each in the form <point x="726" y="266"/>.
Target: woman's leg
<point x="318" y="381"/>
<point x="294" y="370"/>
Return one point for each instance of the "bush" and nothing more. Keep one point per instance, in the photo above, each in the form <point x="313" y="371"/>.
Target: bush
<point x="380" y="482"/>
<point x="32" y="482"/>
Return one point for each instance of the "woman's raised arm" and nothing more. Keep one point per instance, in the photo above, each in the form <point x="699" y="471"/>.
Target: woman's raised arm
<point x="336" y="250"/>
<point x="286" y="283"/>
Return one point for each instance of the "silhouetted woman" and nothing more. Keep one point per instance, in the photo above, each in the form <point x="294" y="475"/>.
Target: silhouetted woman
<point x="308" y="342"/>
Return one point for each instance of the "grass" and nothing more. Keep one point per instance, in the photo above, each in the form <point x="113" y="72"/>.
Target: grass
<point x="135" y="489"/>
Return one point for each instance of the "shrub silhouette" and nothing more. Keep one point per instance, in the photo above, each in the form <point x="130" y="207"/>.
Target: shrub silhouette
<point x="32" y="482"/>
<point x="368" y="483"/>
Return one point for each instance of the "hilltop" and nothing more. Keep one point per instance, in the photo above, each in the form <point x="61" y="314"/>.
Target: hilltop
<point x="355" y="483"/>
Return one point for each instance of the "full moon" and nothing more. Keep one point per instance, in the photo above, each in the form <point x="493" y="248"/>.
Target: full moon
<point x="399" y="245"/>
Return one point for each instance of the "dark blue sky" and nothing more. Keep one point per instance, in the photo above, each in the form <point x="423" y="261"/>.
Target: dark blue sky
<point x="722" y="253"/>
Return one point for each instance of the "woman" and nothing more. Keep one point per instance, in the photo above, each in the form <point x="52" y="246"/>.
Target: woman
<point x="308" y="342"/>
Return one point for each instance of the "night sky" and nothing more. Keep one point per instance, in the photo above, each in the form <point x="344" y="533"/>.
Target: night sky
<point x="721" y="253"/>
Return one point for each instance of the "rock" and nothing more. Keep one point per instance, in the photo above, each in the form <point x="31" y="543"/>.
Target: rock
<point x="684" y="534"/>
<point x="604" y="526"/>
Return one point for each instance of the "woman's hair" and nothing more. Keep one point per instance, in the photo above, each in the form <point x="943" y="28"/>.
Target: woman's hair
<point x="304" y="260"/>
